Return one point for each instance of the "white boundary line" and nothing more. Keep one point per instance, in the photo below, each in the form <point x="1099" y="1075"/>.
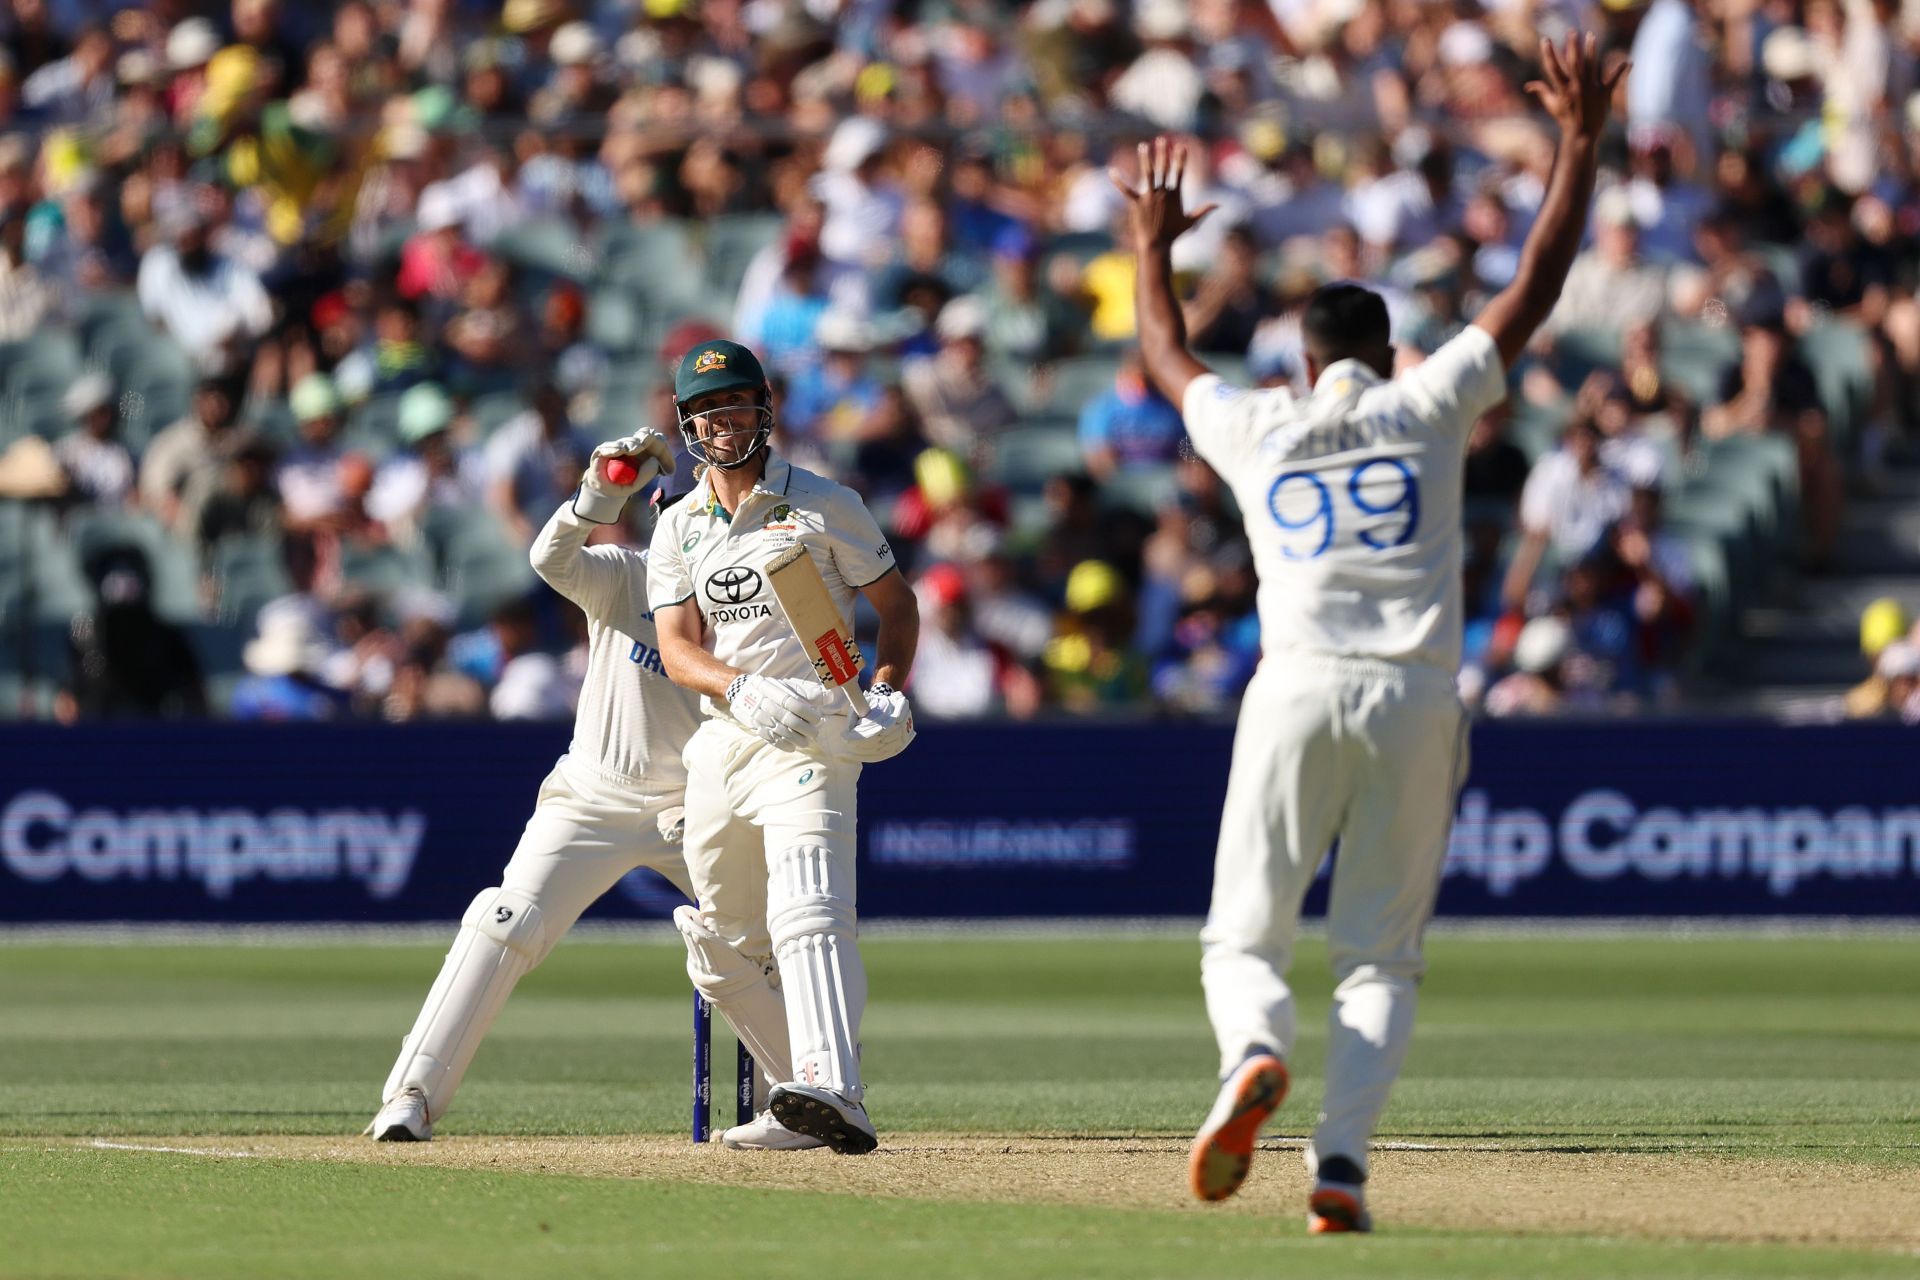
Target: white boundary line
<point x="1678" y="928"/>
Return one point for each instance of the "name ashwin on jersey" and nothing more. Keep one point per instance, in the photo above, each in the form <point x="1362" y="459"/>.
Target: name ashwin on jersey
<point x="1347" y="435"/>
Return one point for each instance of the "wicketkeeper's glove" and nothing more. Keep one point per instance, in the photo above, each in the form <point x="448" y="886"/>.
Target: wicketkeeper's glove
<point x="774" y="711"/>
<point x="886" y="729"/>
<point x="601" y="500"/>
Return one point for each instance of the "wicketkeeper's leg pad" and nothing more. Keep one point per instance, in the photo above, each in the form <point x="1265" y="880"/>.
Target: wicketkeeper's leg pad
<point x="745" y="990"/>
<point x="500" y="939"/>
<point x="811" y="917"/>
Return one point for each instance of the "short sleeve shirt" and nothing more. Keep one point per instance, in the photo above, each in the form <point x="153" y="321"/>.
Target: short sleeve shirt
<point x="717" y="560"/>
<point x="1352" y="498"/>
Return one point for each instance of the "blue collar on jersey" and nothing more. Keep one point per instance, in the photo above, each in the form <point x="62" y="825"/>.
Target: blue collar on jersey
<point x="1355" y="374"/>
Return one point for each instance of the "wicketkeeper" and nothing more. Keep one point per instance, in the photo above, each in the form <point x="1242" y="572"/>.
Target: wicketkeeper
<point x="772" y="773"/>
<point x="611" y="804"/>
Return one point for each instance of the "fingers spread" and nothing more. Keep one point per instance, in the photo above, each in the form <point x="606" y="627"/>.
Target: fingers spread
<point x="1125" y="188"/>
<point x="1177" y="168"/>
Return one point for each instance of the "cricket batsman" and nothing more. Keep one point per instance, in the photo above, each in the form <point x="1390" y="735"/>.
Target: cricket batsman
<point x="1351" y="728"/>
<point x="772" y="773"/>
<point x="611" y="804"/>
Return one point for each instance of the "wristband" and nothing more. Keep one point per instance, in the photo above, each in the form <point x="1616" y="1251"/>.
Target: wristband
<point x="733" y="688"/>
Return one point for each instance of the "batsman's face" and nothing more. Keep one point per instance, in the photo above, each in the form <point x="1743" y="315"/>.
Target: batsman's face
<point x="726" y="422"/>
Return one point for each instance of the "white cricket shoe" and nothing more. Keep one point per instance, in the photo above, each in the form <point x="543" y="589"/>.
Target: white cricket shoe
<point x="823" y="1114"/>
<point x="403" y="1119"/>
<point x="765" y="1133"/>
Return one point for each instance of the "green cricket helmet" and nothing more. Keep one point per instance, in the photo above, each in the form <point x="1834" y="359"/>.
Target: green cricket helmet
<point x="720" y="365"/>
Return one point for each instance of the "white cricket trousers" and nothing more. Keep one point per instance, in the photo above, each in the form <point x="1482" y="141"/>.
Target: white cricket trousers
<point x="770" y="848"/>
<point x="588" y="829"/>
<point x="1373" y="754"/>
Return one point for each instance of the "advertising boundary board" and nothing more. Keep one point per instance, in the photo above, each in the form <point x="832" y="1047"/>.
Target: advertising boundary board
<point x="225" y="823"/>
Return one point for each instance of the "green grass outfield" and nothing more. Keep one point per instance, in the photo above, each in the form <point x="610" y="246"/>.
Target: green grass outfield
<point x="1753" y="1049"/>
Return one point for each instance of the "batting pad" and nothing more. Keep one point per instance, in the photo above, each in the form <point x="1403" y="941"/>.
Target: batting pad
<point x="742" y="990"/>
<point x="811" y="918"/>
<point x="500" y="939"/>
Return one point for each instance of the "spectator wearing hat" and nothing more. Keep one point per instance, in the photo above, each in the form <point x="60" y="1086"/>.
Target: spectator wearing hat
<point x="785" y="332"/>
<point x="99" y="468"/>
<point x="956" y="674"/>
<point x="1025" y="321"/>
<point x="182" y="463"/>
<point x="437" y="261"/>
<point x="1610" y="285"/>
<point x="835" y="399"/>
<point x="311" y="478"/>
<point x="960" y="406"/>
<point x="243" y="503"/>
<point x="209" y="303"/>
<point x="1090" y="664"/>
<point x="862" y="216"/>
<point x="27" y="299"/>
<point x="431" y="471"/>
<point x="1130" y="424"/>
<point x="1535" y="686"/>
<point x="533" y="461"/>
<point x="575" y="91"/>
<point x="1163" y="85"/>
<point x="283" y="680"/>
<point x="1883" y="630"/>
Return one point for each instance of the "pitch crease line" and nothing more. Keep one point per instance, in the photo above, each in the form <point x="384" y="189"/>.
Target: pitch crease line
<point x="103" y="1145"/>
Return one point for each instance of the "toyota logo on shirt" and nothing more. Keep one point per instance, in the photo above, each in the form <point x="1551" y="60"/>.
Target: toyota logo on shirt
<point x="734" y="584"/>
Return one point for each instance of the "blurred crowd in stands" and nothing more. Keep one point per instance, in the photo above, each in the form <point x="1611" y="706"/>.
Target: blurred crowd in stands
<point x="310" y="313"/>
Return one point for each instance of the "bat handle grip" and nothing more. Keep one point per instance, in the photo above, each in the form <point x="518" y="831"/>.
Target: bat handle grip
<point x="855" y="699"/>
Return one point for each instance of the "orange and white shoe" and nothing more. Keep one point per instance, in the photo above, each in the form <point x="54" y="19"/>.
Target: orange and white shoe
<point x="1223" y="1149"/>
<point x="1339" y="1199"/>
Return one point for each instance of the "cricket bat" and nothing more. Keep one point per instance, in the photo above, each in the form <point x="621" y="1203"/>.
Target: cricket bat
<point x="814" y="617"/>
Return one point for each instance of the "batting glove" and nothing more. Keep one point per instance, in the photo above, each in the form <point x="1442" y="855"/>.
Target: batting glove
<point x="773" y="712"/>
<point x="887" y="728"/>
<point x="600" y="500"/>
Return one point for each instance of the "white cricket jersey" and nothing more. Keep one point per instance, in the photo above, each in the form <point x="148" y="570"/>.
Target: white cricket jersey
<point x="1352" y="497"/>
<point x="719" y="561"/>
<point x="633" y="722"/>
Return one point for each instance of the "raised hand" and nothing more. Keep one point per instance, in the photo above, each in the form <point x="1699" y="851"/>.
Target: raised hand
<point x="1574" y="89"/>
<point x="1154" y="209"/>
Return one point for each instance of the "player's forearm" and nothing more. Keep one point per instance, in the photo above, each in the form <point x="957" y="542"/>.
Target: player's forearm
<point x="1162" y="327"/>
<point x="692" y="667"/>
<point x="687" y="661"/>
<point x="1554" y="241"/>
<point x="557" y="549"/>
<point x="898" y="641"/>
